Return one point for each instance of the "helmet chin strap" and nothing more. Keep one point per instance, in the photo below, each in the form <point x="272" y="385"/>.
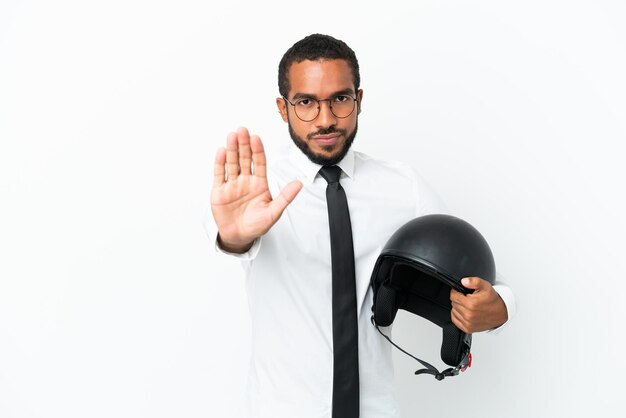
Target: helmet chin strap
<point x="429" y="368"/>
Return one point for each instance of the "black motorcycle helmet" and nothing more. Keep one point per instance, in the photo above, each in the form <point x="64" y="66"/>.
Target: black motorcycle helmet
<point x="415" y="271"/>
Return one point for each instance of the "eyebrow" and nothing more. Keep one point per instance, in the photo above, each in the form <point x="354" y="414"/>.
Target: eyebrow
<point x="313" y="96"/>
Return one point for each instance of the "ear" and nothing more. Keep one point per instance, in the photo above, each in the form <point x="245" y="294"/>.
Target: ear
<point x="282" y="108"/>
<point x="359" y="98"/>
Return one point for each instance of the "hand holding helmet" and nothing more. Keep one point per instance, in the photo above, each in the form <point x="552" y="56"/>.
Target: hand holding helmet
<point x="479" y="311"/>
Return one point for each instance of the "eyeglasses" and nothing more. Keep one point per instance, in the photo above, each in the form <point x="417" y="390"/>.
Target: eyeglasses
<point x="307" y="108"/>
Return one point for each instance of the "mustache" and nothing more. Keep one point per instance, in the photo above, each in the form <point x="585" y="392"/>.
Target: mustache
<point x="329" y="130"/>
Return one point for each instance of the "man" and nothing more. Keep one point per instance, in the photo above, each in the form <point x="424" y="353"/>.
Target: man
<point x="279" y="227"/>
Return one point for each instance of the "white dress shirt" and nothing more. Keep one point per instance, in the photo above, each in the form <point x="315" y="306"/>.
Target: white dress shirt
<point x="289" y="282"/>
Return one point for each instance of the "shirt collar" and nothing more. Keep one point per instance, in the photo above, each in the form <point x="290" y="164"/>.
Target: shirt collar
<point x="310" y="169"/>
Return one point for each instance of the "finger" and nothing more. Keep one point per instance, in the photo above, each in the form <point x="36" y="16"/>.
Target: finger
<point x="232" y="156"/>
<point x="245" y="153"/>
<point x="219" y="171"/>
<point x="258" y="156"/>
<point x="285" y="197"/>
<point x="459" y="321"/>
<point x="475" y="283"/>
<point x="457" y="297"/>
<point x="461" y="310"/>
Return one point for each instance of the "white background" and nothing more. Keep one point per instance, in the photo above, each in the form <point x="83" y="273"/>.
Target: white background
<point x="112" y="303"/>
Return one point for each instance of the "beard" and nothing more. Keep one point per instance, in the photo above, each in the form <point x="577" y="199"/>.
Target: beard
<point x="322" y="159"/>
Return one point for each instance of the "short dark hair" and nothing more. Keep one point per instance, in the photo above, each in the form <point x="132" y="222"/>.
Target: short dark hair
<point x="315" y="47"/>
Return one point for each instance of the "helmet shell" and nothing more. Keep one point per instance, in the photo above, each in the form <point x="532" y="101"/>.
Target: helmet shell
<point x="445" y="246"/>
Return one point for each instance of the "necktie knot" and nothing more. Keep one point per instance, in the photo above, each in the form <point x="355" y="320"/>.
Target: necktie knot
<point x="331" y="173"/>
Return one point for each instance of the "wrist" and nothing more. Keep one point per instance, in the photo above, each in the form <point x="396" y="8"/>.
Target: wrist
<point x="233" y="247"/>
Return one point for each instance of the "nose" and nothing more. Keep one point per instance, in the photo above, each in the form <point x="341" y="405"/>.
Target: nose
<point x="325" y="118"/>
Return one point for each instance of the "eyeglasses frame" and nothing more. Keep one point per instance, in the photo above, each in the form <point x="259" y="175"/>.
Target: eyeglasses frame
<point x="319" y="108"/>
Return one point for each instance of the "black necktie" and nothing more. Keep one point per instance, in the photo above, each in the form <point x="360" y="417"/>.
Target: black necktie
<point x="345" y="326"/>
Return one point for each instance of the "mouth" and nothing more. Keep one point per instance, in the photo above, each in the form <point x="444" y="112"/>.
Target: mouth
<point x="329" y="139"/>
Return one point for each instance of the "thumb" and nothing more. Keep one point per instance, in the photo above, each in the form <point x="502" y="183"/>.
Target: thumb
<point x="475" y="283"/>
<point x="286" y="196"/>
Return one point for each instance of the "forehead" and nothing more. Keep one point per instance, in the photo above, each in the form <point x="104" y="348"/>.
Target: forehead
<point x="320" y="78"/>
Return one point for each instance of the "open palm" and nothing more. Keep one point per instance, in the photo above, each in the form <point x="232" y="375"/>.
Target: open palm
<point x="241" y="202"/>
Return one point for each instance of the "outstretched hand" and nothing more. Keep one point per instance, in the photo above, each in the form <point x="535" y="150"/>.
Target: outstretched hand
<point x="479" y="311"/>
<point x="241" y="202"/>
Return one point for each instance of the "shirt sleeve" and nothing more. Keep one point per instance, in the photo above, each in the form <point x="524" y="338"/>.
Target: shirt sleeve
<point x="429" y="202"/>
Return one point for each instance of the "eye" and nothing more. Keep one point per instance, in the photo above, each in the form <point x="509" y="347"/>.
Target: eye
<point x="304" y="102"/>
<point x="341" y="98"/>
